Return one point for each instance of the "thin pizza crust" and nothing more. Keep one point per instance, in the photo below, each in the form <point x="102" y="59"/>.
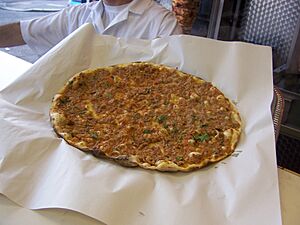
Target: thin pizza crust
<point x="147" y="115"/>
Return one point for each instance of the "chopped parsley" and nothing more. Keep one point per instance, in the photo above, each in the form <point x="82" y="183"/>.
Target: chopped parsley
<point x="179" y="158"/>
<point x="147" y="131"/>
<point x="108" y="95"/>
<point x="64" y="100"/>
<point x="162" y="118"/>
<point x="201" y="137"/>
<point x="94" y="135"/>
<point x="106" y="85"/>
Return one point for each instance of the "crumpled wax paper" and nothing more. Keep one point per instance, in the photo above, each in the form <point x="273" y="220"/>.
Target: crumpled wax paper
<point x="39" y="170"/>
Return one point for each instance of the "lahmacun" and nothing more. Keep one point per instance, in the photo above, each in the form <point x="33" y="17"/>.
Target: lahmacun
<point x="147" y="115"/>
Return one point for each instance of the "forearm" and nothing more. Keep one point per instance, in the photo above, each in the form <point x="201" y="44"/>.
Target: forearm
<point x="10" y="35"/>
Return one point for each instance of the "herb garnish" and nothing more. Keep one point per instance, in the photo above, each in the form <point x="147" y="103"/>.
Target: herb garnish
<point x="108" y="95"/>
<point x="94" y="135"/>
<point x="179" y="158"/>
<point x="166" y="102"/>
<point x="201" y="137"/>
<point x="106" y="85"/>
<point x="64" y="100"/>
<point x="162" y="118"/>
<point x="146" y="131"/>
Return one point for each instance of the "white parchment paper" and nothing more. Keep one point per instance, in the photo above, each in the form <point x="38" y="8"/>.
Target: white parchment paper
<point x="39" y="170"/>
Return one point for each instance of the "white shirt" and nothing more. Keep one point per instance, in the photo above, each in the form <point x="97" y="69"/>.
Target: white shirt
<point x="143" y="19"/>
<point x="111" y="12"/>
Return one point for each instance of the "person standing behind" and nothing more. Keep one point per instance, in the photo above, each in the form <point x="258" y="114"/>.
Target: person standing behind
<point x="144" y="19"/>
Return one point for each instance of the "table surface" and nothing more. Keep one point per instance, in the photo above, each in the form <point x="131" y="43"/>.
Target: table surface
<point x="13" y="214"/>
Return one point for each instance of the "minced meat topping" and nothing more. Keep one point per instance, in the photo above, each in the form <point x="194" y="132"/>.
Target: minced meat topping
<point x="148" y="111"/>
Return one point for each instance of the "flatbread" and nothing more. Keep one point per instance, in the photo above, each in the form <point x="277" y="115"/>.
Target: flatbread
<point x="147" y="115"/>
